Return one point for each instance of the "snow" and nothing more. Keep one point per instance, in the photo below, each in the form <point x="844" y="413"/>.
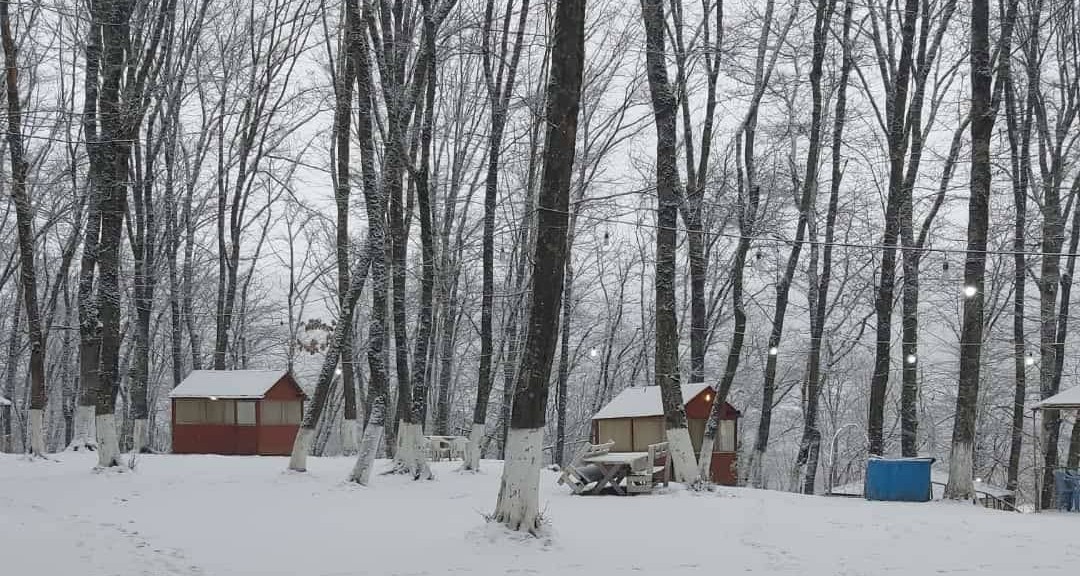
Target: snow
<point x="643" y="401"/>
<point x="4" y="401"/>
<point x="227" y="383"/>
<point x="232" y="516"/>
<point x="1062" y="400"/>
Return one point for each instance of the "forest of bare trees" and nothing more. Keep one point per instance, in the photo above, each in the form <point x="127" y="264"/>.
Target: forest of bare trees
<point x="859" y="221"/>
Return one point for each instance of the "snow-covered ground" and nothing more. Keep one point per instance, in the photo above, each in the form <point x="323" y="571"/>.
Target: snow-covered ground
<point x="245" y="516"/>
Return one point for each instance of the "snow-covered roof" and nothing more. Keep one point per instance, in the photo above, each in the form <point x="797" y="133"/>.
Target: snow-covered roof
<point x="1063" y="400"/>
<point x="227" y="383"/>
<point x="643" y="401"/>
<point x="4" y="401"/>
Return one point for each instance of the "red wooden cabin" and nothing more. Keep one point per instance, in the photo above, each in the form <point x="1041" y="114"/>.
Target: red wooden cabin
<point x="236" y="412"/>
<point x="635" y="419"/>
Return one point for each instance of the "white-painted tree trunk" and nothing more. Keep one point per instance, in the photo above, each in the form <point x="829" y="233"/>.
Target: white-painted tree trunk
<point x="757" y="469"/>
<point x="300" y="449"/>
<point x="349" y="432"/>
<point x="139" y="436"/>
<point x="960" y="485"/>
<point x="403" y="452"/>
<point x="411" y="458"/>
<point x="420" y="468"/>
<point x="365" y="458"/>
<point x="108" y="444"/>
<point x="37" y="433"/>
<point x="705" y="460"/>
<point x="472" y="449"/>
<point x="85" y="436"/>
<point x="518" y="506"/>
<point x="684" y="464"/>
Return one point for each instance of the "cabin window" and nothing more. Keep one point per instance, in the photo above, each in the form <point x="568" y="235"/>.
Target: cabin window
<point x="205" y="411"/>
<point x="726" y="441"/>
<point x="245" y="413"/>
<point x="219" y="412"/>
<point x="278" y="413"/>
<point x="647" y="431"/>
<point x="617" y="430"/>
<point x="189" y="411"/>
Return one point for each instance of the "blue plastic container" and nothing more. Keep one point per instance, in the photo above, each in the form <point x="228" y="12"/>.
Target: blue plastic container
<point x="898" y="480"/>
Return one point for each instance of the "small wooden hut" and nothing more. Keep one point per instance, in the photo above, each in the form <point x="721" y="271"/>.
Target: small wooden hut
<point x="236" y="412"/>
<point x="635" y="419"/>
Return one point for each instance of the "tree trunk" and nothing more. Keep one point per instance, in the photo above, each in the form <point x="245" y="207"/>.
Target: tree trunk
<point x="496" y="67"/>
<point x="89" y="323"/>
<point x="806" y="203"/>
<point x="11" y="362"/>
<point x="187" y="307"/>
<point x="25" y="225"/>
<point x="810" y="446"/>
<point x="668" y="198"/>
<point x="518" y="502"/>
<point x="1020" y="162"/>
<point x="961" y="456"/>
<point x="564" y="352"/>
<point x="446" y="357"/>
<point x="109" y="174"/>
<point x="696" y="175"/>
<point x="417" y="464"/>
<point x="334" y="354"/>
<point x="375" y="201"/>
<point x="883" y="303"/>
<point x="144" y="249"/>
<point x="342" y="192"/>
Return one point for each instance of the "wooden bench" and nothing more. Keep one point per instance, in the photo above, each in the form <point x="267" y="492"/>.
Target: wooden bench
<point x="579" y="475"/>
<point x="657" y="470"/>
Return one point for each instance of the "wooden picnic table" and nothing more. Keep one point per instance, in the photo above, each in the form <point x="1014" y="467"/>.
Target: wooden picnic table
<point x="616" y="466"/>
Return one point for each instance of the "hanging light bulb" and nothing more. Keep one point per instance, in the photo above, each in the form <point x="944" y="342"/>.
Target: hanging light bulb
<point x="337" y="372"/>
<point x="1030" y="360"/>
<point x="911" y="358"/>
<point x="774" y="351"/>
<point x="970" y="291"/>
<point x="593" y="352"/>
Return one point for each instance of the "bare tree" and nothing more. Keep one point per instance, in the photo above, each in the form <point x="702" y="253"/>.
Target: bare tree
<point x="898" y="80"/>
<point x="24" y="217"/>
<point x="669" y="197"/>
<point x="806" y="203"/>
<point x="500" y="73"/>
<point x="518" y="503"/>
<point x="984" y="105"/>
<point x="810" y="446"/>
<point x="375" y="201"/>
<point x="1019" y="133"/>
<point x="117" y="75"/>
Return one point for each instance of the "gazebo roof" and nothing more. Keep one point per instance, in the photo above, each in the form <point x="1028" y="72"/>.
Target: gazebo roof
<point x="231" y="384"/>
<point x="1067" y="400"/>
<point x="644" y="401"/>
